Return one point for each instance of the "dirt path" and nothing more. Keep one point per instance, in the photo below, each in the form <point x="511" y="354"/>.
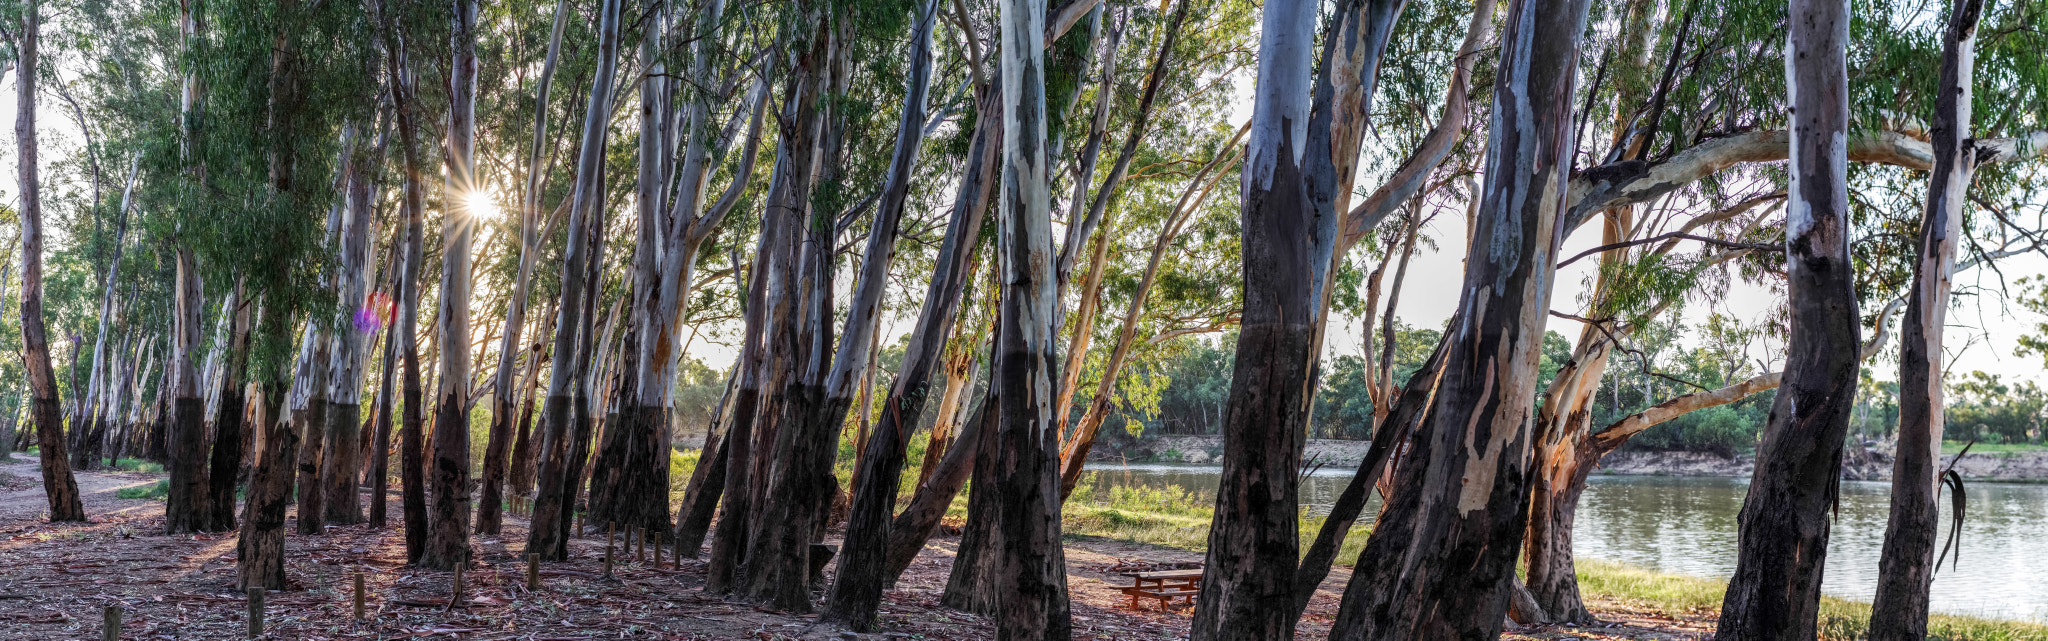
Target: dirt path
<point x="56" y="578"/>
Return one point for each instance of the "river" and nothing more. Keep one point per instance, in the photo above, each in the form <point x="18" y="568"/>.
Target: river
<point x="1684" y="525"/>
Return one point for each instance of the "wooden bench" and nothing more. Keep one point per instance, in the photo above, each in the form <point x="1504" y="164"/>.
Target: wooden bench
<point x="1165" y="586"/>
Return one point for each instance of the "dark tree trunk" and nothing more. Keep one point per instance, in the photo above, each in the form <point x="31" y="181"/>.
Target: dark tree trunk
<point x="800" y="339"/>
<point x="521" y="466"/>
<point x="700" y="499"/>
<point x="342" y="503"/>
<point x="228" y="439"/>
<point x="1289" y="222"/>
<point x="1782" y="530"/>
<point x="261" y="547"/>
<point x="1393" y="434"/>
<point x="311" y="425"/>
<point x="970" y="587"/>
<point x="729" y="539"/>
<point x="448" y="522"/>
<point x="185" y="508"/>
<point x="491" y="493"/>
<point x="1441" y="562"/>
<point x="1553" y="509"/>
<point x="914" y="526"/>
<point x="380" y="444"/>
<point x="58" y="483"/>
<point x="227" y="460"/>
<point x="1906" y="569"/>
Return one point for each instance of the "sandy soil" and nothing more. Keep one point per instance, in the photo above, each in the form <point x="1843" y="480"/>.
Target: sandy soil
<point x="55" y="580"/>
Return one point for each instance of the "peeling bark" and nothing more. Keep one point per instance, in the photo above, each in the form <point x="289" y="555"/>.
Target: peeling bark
<point x="1782" y="530"/>
<point x="1906" y="566"/>
<point x="1441" y="560"/>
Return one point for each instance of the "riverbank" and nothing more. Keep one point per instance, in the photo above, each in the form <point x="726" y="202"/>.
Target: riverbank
<point x="1632" y="602"/>
<point x="2023" y="464"/>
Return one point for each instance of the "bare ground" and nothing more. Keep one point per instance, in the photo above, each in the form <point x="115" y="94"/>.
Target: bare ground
<point x="56" y="578"/>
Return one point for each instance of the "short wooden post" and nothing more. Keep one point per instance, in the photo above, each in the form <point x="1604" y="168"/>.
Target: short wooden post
<point x="610" y="531"/>
<point x="455" y="595"/>
<point x="113" y="628"/>
<point x="359" y="598"/>
<point x="255" y="612"/>
<point x="657" y="550"/>
<point x="579" y="525"/>
<point x="533" y="571"/>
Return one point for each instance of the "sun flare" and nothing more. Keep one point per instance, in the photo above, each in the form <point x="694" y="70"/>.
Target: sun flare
<point x="481" y="206"/>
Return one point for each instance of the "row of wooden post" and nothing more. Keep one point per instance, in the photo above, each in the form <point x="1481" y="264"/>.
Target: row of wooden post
<point x="112" y="630"/>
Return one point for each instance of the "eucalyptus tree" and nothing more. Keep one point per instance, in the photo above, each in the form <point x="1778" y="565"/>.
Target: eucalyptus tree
<point x="857" y="591"/>
<point x="1906" y="566"/>
<point x="1783" y="527"/>
<point x="547" y="536"/>
<point x="58" y="483"/>
<point x="1081" y="227"/>
<point x="341" y="461"/>
<point x="666" y="252"/>
<point x="1305" y="135"/>
<point x="448" y="522"/>
<point x="1030" y="564"/>
<point x="497" y="458"/>
<point x="798" y="271"/>
<point x="1468" y="463"/>
<point x="388" y="36"/>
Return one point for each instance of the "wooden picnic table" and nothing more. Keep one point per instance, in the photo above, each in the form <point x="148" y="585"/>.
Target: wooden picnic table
<point x="1165" y="585"/>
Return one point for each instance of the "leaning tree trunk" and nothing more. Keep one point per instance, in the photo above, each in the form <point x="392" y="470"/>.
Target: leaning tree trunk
<point x="857" y="590"/>
<point x="1441" y="562"/>
<point x="553" y="501"/>
<point x="448" y="520"/>
<point x="1289" y="220"/>
<point x="1074" y="455"/>
<point x="1030" y="563"/>
<point x="103" y="372"/>
<point x="1782" y="530"/>
<point x="1905" y="571"/>
<point x="58" y="483"/>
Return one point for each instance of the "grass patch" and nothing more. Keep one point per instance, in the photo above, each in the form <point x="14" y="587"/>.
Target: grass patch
<point x="155" y="491"/>
<point x="1170" y="517"/>
<point x="1952" y="447"/>
<point x="138" y="465"/>
<point x="1840" y="619"/>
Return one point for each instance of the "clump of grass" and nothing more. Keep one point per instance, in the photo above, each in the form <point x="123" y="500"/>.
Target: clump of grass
<point x="155" y="491"/>
<point x="138" y="465"/>
<point x="1840" y="619"/>
<point x="1953" y="447"/>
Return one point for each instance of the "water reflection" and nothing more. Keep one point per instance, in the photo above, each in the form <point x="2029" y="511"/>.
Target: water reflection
<point x="1687" y="526"/>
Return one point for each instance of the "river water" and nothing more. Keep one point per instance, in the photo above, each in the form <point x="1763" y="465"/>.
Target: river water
<point x="1687" y="526"/>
